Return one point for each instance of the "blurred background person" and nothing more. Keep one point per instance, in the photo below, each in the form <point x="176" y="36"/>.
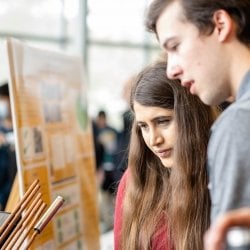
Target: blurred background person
<point x="107" y="136"/>
<point x="7" y="152"/>
<point x="121" y="155"/>
<point x="99" y="154"/>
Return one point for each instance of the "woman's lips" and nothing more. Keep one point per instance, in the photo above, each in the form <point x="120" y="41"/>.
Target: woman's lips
<point x="164" y="153"/>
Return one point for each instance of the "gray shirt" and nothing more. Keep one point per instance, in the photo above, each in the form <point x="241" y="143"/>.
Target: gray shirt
<point x="229" y="155"/>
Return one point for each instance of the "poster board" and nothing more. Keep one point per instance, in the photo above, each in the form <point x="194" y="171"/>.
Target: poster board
<point x="54" y="142"/>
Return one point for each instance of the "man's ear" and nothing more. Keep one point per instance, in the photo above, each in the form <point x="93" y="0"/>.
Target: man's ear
<point x="224" y="25"/>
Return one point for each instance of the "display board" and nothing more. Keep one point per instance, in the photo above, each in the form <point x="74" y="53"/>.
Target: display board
<point x="54" y="142"/>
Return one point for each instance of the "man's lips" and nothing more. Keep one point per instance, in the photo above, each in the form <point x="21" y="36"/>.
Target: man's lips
<point x="188" y="85"/>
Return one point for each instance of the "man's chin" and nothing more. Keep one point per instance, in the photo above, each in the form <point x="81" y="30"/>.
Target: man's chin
<point x="209" y="101"/>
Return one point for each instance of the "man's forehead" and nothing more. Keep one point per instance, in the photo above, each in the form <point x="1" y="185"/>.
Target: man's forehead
<point x="170" y="22"/>
<point x="172" y="12"/>
<point x="167" y="22"/>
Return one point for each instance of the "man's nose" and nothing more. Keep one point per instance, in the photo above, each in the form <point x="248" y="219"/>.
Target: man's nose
<point x="173" y="71"/>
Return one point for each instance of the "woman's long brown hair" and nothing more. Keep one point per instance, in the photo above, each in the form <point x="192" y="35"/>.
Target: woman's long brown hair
<point x="156" y="196"/>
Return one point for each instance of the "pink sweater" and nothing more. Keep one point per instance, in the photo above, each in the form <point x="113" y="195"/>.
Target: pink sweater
<point x="159" y="241"/>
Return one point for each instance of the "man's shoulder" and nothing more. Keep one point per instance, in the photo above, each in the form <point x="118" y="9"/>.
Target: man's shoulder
<point x="235" y="116"/>
<point x="230" y="129"/>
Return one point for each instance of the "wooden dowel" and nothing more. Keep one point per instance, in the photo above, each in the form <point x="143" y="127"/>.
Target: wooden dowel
<point x="23" y="223"/>
<point x="46" y="217"/>
<point x="16" y="216"/>
<point x="32" y="238"/>
<point x="27" y="196"/>
<point x="29" y="228"/>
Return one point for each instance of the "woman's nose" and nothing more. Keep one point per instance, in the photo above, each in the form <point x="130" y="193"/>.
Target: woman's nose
<point x="155" y="138"/>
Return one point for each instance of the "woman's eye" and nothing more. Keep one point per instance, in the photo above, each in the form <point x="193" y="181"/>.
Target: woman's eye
<point x="142" y="126"/>
<point x="164" y="122"/>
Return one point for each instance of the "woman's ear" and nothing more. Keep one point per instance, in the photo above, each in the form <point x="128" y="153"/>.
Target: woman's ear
<point x="224" y="25"/>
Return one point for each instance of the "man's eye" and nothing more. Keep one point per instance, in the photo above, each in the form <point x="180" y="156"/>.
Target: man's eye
<point x="174" y="47"/>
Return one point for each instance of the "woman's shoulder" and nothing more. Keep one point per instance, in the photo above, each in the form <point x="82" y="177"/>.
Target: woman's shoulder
<point x="119" y="209"/>
<point x="123" y="182"/>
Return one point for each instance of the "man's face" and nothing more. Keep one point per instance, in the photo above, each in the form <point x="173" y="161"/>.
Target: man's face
<point x="195" y="59"/>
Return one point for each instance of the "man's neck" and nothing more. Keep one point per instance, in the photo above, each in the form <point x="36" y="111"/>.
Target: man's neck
<point x="240" y="66"/>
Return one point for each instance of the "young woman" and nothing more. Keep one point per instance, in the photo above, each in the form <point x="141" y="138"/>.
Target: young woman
<point x="162" y="199"/>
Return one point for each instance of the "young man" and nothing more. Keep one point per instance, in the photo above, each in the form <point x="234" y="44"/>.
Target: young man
<point x="208" y="47"/>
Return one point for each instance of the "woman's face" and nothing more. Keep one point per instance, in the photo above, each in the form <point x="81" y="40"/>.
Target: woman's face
<point x="158" y="130"/>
